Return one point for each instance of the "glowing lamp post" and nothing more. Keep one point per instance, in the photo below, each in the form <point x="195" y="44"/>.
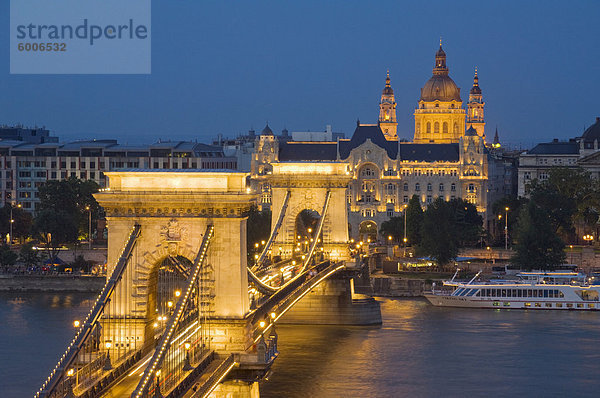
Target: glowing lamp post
<point x="12" y="221"/>
<point x="588" y="238"/>
<point x="506" y="209"/>
<point x="89" y="210"/>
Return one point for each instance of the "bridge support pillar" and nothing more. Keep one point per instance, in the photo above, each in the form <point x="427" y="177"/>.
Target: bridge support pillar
<point x="236" y="389"/>
<point x="334" y="302"/>
<point x="230" y="335"/>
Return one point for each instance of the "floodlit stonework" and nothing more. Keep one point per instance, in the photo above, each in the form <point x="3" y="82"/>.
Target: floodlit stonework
<point x="174" y="209"/>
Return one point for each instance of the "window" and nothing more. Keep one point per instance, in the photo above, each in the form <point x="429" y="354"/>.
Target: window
<point x="368" y="171"/>
<point x="453" y="187"/>
<point x="441" y="187"/>
<point x="429" y="188"/>
<point x="417" y="187"/>
<point x="405" y="199"/>
<point x="390" y="212"/>
<point x="92" y="165"/>
<point x="73" y="165"/>
<point x="429" y="199"/>
<point x="428" y="127"/>
<point x="436" y="127"/>
<point x="53" y="175"/>
<point x="63" y="165"/>
<point x="405" y="187"/>
<point x="445" y="128"/>
<point x="471" y="188"/>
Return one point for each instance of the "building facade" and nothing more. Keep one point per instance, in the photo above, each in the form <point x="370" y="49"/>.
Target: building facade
<point x="576" y="152"/>
<point x="447" y="157"/>
<point x="24" y="166"/>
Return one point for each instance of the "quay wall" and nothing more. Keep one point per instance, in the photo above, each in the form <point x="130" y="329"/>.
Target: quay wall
<point x="393" y="286"/>
<point x="52" y="283"/>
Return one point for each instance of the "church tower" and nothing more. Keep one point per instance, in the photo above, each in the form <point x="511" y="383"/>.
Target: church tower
<point x="387" y="112"/>
<point x="475" y="108"/>
<point x="439" y="117"/>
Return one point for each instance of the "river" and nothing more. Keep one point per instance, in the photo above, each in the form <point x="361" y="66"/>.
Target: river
<point x="419" y="351"/>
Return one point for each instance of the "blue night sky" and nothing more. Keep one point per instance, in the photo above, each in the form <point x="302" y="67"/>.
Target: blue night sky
<point x="222" y="67"/>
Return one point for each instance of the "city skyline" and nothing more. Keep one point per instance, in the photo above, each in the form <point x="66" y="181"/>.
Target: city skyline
<point x="246" y="65"/>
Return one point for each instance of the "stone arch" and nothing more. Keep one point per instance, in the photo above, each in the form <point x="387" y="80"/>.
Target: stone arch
<point x="308" y="191"/>
<point x="367" y="229"/>
<point x="145" y="271"/>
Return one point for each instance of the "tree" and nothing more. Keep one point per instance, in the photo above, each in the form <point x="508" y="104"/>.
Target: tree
<point x="7" y="256"/>
<point x="73" y="196"/>
<point x="468" y="224"/>
<point x="393" y="227"/>
<point x="439" y="239"/>
<point x="22" y="221"/>
<point x="537" y="244"/>
<point x="28" y="255"/>
<point x="414" y="220"/>
<point x="499" y="210"/>
<point x="559" y="207"/>
<point x="55" y="228"/>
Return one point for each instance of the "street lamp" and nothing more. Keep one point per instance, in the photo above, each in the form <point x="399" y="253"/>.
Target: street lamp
<point x="405" y="240"/>
<point x="506" y="209"/>
<point x="588" y="238"/>
<point x="89" y="210"/>
<point x="12" y="221"/>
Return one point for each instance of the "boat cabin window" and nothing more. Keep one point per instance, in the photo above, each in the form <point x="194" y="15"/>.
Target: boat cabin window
<point x="588" y="295"/>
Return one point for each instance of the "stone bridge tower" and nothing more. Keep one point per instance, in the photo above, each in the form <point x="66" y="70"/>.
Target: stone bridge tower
<point x="174" y="209"/>
<point x="308" y="184"/>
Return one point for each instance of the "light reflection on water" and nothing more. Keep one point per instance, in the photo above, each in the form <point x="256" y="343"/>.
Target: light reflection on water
<point x="424" y="351"/>
<point x="34" y="331"/>
<point x="419" y="351"/>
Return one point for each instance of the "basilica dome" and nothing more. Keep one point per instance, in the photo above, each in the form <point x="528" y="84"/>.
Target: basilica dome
<point x="440" y="87"/>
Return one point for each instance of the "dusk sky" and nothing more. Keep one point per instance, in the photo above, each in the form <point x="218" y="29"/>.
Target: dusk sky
<point x="223" y="67"/>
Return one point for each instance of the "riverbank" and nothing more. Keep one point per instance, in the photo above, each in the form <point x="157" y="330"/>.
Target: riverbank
<point x="51" y="283"/>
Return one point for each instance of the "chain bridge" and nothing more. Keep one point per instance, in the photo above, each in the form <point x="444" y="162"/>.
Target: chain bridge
<point x="181" y="313"/>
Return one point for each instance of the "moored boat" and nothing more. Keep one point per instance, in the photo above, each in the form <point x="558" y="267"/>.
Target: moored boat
<point x="532" y="290"/>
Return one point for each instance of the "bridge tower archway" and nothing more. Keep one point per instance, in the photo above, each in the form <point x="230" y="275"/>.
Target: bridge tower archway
<point x="309" y="184"/>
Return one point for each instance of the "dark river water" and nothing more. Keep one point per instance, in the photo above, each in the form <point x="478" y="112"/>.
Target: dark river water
<point x="419" y="351"/>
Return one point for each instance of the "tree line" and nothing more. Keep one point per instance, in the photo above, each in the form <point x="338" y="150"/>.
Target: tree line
<point x="61" y="218"/>
<point x="440" y="230"/>
<point x="554" y="211"/>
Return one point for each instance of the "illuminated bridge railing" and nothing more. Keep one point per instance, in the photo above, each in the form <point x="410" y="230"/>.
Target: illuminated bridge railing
<point x="269" y="290"/>
<point x="169" y="360"/>
<point x="311" y="251"/>
<point x="284" y="299"/>
<point x="85" y="356"/>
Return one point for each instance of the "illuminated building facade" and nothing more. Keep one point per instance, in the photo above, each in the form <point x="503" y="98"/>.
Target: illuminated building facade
<point x="446" y="159"/>
<point x="387" y="112"/>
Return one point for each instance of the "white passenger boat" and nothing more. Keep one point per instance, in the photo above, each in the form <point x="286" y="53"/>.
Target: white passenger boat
<point x="532" y="290"/>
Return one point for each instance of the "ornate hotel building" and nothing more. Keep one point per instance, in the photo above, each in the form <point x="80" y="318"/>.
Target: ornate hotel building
<point x="447" y="157"/>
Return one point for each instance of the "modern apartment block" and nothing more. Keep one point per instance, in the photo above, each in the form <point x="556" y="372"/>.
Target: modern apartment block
<point x="25" y="165"/>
